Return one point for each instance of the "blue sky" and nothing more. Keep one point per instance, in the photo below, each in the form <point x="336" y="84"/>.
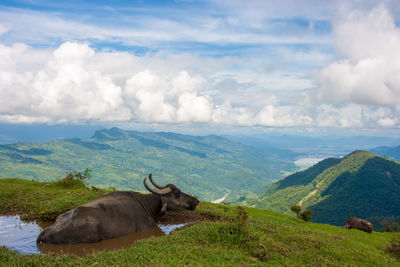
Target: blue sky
<point x="220" y="64"/>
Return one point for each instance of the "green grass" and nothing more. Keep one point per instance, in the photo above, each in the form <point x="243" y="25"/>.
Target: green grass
<point x="264" y="238"/>
<point x="43" y="201"/>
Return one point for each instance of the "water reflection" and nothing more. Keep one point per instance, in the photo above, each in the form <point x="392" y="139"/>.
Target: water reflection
<point x="21" y="236"/>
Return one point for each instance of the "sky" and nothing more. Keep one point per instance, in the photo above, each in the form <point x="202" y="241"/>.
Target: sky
<point x="217" y="64"/>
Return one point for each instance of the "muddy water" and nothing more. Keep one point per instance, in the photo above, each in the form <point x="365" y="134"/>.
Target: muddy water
<point x="109" y="244"/>
<point x="21" y="236"/>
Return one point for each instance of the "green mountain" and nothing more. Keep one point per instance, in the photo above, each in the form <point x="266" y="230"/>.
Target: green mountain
<point x="361" y="184"/>
<point x="207" y="166"/>
<point x="389" y="152"/>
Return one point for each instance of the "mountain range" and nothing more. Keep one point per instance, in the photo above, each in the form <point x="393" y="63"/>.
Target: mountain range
<point x="246" y="171"/>
<point x="207" y="166"/>
<point x="389" y="152"/>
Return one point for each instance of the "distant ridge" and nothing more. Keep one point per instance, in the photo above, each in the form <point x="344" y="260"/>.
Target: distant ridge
<point x="207" y="166"/>
<point x="389" y="152"/>
<point x="361" y="184"/>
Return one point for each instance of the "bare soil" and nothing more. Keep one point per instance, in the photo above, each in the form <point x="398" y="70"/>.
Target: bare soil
<point x="186" y="217"/>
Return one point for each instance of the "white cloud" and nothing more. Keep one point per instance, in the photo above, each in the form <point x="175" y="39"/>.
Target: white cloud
<point x="66" y="88"/>
<point x="147" y="29"/>
<point x="74" y="83"/>
<point x="387" y="122"/>
<point x="369" y="74"/>
<point x="146" y="95"/>
<point x="349" y="116"/>
<point x="282" y="116"/>
<point x="167" y="99"/>
<point x="382" y="116"/>
<point x="193" y="108"/>
<point x="367" y="79"/>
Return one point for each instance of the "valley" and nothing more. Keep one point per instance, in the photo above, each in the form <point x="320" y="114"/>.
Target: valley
<point x="207" y="166"/>
<point x="235" y="170"/>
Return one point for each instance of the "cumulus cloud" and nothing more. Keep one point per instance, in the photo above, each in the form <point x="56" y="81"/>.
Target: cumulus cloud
<point x="368" y="75"/>
<point x="66" y="88"/>
<point x="73" y="86"/>
<point x="167" y="99"/>
<point x="74" y="83"/>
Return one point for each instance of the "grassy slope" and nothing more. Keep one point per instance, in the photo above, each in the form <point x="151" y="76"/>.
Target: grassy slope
<point x="43" y="201"/>
<point x="289" y="191"/>
<point x="208" y="166"/>
<point x="267" y="238"/>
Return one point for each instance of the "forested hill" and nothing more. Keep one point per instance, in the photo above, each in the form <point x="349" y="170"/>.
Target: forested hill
<point x="361" y="184"/>
<point x="206" y="166"/>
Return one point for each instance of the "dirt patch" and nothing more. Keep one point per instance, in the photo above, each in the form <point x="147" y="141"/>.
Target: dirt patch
<point x="9" y="213"/>
<point x="187" y="217"/>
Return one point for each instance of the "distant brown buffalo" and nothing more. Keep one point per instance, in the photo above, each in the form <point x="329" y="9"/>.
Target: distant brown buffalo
<point x="116" y="214"/>
<point x="360" y="224"/>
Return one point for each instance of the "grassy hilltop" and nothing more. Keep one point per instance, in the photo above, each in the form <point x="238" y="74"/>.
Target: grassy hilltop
<point x="231" y="239"/>
<point x="361" y="184"/>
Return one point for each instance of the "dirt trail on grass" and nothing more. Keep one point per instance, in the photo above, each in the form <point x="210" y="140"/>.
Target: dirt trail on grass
<point x="318" y="187"/>
<point x="307" y="197"/>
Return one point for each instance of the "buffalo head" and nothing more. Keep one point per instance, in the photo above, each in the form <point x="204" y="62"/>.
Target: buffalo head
<point x="172" y="198"/>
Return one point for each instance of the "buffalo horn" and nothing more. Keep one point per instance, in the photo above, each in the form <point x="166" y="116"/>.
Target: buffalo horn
<point x="154" y="183"/>
<point x="158" y="192"/>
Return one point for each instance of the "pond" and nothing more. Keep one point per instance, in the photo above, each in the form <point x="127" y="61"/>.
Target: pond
<point x="21" y="236"/>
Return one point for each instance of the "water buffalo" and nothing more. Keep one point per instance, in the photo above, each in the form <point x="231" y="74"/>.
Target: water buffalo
<point x="360" y="224"/>
<point x="116" y="214"/>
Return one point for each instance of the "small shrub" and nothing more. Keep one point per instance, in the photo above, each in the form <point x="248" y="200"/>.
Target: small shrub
<point x="390" y="226"/>
<point x="394" y="246"/>
<point x="76" y="176"/>
<point x="111" y="188"/>
<point x="96" y="189"/>
<point x="306" y="215"/>
<point x="82" y="176"/>
<point x="238" y="225"/>
<point x="387" y="227"/>
<point x="296" y="209"/>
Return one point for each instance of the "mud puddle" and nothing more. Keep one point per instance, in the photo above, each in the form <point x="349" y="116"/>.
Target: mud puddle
<point x="21" y="236"/>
